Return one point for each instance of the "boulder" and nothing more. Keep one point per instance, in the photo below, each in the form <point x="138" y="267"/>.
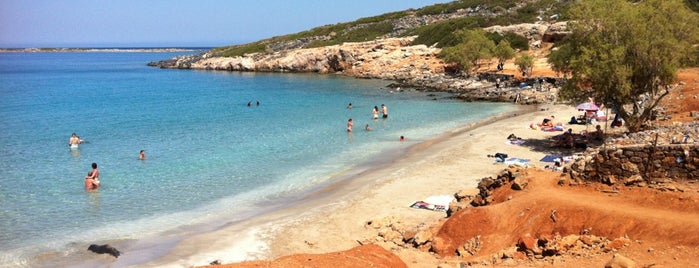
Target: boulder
<point x="519" y="184"/>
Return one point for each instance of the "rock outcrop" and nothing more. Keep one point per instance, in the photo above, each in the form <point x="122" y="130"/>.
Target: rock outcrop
<point x="411" y="66"/>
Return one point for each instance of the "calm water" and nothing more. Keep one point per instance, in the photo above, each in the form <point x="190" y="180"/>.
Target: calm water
<point x="209" y="155"/>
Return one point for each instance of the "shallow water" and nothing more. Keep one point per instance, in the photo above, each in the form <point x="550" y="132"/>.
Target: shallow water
<point x="209" y="155"/>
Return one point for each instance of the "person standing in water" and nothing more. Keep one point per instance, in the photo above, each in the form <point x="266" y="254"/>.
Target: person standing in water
<point x="384" y="111"/>
<point x="375" y="112"/>
<point x="349" y="125"/>
<point x="74" y="141"/>
<point x="142" y="155"/>
<point x="93" y="178"/>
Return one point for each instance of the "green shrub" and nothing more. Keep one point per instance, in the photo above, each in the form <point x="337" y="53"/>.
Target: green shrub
<point x="443" y="33"/>
<point x="239" y="50"/>
<point x="456" y="5"/>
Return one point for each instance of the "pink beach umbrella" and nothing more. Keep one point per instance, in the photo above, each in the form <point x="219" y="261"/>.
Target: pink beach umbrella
<point x="588" y="106"/>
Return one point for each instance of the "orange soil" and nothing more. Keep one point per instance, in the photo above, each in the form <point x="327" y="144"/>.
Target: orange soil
<point x="362" y="256"/>
<point x="662" y="225"/>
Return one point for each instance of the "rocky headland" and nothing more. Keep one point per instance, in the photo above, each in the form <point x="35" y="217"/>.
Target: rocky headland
<point x="396" y="59"/>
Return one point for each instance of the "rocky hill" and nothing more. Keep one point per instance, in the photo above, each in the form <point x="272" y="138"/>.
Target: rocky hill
<point x="393" y="58"/>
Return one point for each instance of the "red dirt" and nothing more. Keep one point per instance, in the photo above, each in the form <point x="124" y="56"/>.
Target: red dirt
<point x="664" y="222"/>
<point x="362" y="256"/>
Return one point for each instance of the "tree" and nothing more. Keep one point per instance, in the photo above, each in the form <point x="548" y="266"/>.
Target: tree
<point x="625" y="55"/>
<point x="524" y="63"/>
<point x="473" y="46"/>
<point x="503" y="51"/>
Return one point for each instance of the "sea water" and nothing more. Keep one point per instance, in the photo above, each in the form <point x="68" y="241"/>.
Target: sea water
<point x="210" y="157"/>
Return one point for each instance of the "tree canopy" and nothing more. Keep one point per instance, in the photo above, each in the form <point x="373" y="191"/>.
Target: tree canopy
<point x="473" y="46"/>
<point x="625" y="54"/>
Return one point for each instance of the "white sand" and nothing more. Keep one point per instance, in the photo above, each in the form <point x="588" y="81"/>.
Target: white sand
<point x="334" y="219"/>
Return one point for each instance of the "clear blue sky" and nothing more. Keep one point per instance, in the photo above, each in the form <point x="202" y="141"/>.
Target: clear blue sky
<point x="104" y="23"/>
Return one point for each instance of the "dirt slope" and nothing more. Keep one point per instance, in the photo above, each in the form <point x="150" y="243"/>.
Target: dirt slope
<point x="656" y="221"/>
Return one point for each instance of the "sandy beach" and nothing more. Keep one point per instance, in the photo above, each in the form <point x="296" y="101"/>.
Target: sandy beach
<point x="334" y="218"/>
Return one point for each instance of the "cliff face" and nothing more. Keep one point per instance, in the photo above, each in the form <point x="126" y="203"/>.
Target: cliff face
<point x="391" y="58"/>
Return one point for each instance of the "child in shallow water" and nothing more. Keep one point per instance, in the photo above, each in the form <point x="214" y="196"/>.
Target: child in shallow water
<point x="91" y="183"/>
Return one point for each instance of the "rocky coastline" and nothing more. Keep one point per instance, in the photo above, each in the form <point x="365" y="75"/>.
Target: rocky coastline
<point x="396" y="59"/>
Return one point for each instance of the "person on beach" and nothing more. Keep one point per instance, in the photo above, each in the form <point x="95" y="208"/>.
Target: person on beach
<point x="142" y="155"/>
<point x="94" y="176"/>
<point x="349" y="125"/>
<point x="367" y="127"/>
<point x="74" y="141"/>
<point x="402" y="138"/>
<point x="384" y="111"/>
<point x="598" y="135"/>
<point x="375" y="113"/>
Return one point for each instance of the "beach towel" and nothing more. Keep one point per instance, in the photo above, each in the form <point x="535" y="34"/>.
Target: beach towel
<point x="516" y="161"/>
<point x="515" y="142"/>
<point x="435" y="203"/>
<point x="550" y="158"/>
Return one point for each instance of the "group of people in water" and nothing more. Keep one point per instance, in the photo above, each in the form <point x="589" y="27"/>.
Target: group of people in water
<point x="375" y="115"/>
<point x="375" y="112"/>
<point x="92" y="180"/>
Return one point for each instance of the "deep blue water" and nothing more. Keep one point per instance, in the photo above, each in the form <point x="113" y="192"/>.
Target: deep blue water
<point x="207" y="151"/>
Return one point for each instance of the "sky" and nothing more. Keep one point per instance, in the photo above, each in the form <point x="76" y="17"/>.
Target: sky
<point x="182" y="23"/>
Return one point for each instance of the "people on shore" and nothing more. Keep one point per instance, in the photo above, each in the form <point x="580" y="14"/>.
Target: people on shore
<point x="401" y="139"/>
<point x="384" y="111"/>
<point x="142" y="155"/>
<point x="349" y="125"/>
<point x="74" y="141"/>
<point x="566" y="140"/>
<point x="92" y="180"/>
<point x="597" y="135"/>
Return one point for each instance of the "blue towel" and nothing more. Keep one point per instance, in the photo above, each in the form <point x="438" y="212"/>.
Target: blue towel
<point x="550" y="158"/>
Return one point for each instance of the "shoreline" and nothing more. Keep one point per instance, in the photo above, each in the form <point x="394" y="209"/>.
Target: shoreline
<point x="332" y="218"/>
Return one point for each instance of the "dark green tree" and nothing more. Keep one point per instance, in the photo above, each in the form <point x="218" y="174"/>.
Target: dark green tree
<point x="524" y="63"/>
<point x="473" y="46"/>
<point x="503" y="51"/>
<point x="625" y="54"/>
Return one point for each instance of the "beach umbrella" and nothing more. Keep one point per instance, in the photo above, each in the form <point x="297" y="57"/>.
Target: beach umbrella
<point x="588" y="106"/>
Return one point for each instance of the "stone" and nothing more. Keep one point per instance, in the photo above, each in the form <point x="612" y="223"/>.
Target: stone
<point x="619" y="261"/>
<point x="635" y="179"/>
<point x="519" y="184"/>
<point x="528" y="243"/>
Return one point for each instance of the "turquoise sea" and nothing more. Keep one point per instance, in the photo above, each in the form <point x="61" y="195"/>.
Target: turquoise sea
<point x="210" y="157"/>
